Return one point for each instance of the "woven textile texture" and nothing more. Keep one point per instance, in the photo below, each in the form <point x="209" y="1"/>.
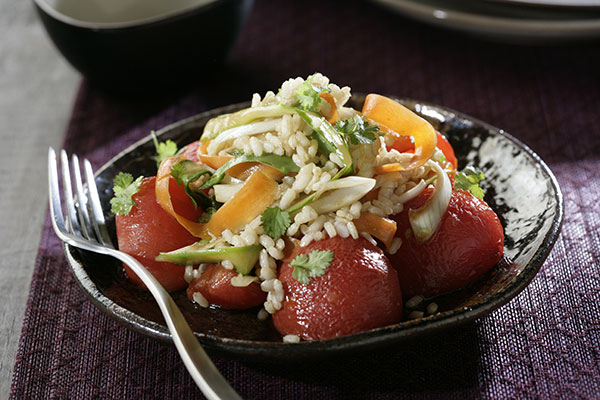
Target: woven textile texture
<point x="543" y="344"/>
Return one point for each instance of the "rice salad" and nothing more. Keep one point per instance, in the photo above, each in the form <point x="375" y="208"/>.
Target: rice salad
<point x="337" y="203"/>
<point x="275" y="184"/>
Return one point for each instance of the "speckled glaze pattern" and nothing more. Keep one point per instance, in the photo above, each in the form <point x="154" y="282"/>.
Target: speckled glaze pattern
<point x="519" y="187"/>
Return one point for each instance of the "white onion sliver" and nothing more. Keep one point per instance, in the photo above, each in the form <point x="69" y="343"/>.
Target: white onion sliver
<point x="348" y="181"/>
<point x="243" y="280"/>
<point x="344" y="195"/>
<point x="426" y="219"/>
<point x="412" y="193"/>
<point x="244" y="130"/>
<point x="224" y="192"/>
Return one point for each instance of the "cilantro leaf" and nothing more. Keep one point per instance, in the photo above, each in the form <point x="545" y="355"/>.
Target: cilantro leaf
<point x="124" y="188"/>
<point x="178" y="171"/>
<point x="275" y="222"/>
<point x="312" y="266"/>
<point x="358" y="130"/>
<point x="164" y="149"/>
<point x="308" y="95"/>
<point x="468" y="179"/>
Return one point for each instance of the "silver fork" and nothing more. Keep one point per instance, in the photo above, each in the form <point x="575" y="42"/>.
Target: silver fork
<point x="85" y="228"/>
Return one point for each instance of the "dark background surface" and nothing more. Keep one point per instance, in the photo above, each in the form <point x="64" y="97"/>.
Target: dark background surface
<point x="543" y="344"/>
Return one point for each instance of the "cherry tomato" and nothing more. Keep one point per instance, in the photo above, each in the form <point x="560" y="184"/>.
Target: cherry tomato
<point x="215" y="285"/>
<point x="403" y="144"/>
<point x="191" y="151"/>
<point x="148" y="230"/>
<point x="444" y="145"/>
<point x="468" y="242"/>
<point x="358" y="291"/>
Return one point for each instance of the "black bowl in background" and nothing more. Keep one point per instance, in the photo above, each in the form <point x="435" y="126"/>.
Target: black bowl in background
<point x="141" y="48"/>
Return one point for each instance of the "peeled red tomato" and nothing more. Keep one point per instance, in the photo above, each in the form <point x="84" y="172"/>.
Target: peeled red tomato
<point x="358" y="291"/>
<point x="148" y="230"/>
<point x="190" y="151"/>
<point x="468" y="242"/>
<point x="214" y="284"/>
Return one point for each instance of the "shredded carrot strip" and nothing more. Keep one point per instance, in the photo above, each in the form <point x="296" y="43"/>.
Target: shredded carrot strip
<point x="399" y="119"/>
<point x="214" y="162"/>
<point x="257" y="193"/>
<point x="163" y="196"/>
<point x="244" y="170"/>
<point x="203" y="148"/>
<point x="382" y="228"/>
<point x="332" y="116"/>
<point x="384" y="169"/>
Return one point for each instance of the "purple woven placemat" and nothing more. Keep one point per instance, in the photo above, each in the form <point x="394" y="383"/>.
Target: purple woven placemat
<point x="543" y="344"/>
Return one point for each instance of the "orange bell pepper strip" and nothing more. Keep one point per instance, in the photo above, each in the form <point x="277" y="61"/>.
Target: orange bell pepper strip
<point x="332" y="115"/>
<point x="395" y="117"/>
<point x="382" y="228"/>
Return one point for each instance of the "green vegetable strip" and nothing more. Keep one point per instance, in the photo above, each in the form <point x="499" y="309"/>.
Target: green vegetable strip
<point x="282" y="163"/>
<point x="330" y="140"/>
<point x="186" y="172"/>
<point x="296" y="207"/>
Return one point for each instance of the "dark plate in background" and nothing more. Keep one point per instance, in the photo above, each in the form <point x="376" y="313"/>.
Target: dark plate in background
<point x="519" y="187"/>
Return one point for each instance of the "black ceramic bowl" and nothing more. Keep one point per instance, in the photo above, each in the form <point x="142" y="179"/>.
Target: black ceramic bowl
<point x="519" y="187"/>
<point x="134" y="44"/>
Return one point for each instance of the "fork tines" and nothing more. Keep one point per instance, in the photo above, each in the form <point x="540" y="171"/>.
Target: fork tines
<point x="84" y="216"/>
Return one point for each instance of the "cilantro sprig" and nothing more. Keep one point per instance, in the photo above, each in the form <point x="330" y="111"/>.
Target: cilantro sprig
<point x="164" y="149"/>
<point x="358" y="130"/>
<point x="124" y="188"/>
<point x="308" y="95"/>
<point x="312" y="266"/>
<point x="275" y="221"/>
<point x="468" y="179"/>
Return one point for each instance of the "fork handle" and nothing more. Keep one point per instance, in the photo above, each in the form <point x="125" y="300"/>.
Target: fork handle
<point x="207" y="377"/>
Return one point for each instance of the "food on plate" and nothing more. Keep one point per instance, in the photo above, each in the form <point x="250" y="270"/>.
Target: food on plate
<point x="147" y="229"/>
<point x="214" y="286"/>
<point x="468" y="242"/>
<point x="322" y="215"/>
<point x="358" y="291"/>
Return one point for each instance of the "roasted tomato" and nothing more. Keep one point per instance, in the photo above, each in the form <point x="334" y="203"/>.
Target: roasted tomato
<point x="358" y="291"/>
<point x="214" y="284"/>
<point x="190" y="151"/>
<point x="444" y="145"/>
<point x="403" y="144"/>
<point x="468" y="242"/>
<point x="148" y="230"/>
